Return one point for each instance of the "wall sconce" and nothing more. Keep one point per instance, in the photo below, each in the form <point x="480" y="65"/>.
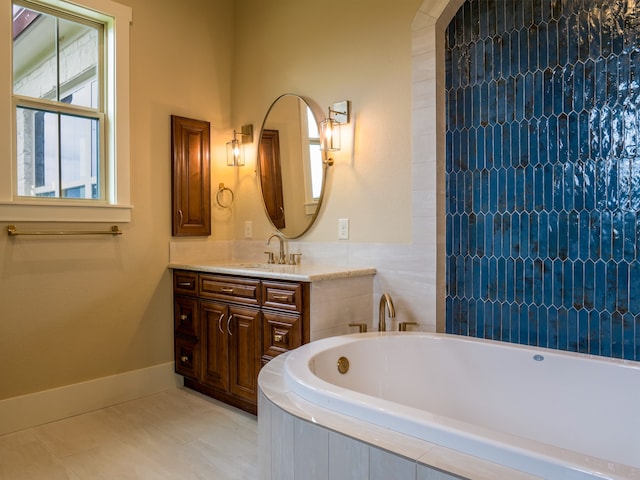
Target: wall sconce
<point x="235" y="147"/>
<point x="339" y="114"/>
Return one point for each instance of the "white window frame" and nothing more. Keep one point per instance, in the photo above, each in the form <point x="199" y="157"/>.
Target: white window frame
<point x="116" y="206"/>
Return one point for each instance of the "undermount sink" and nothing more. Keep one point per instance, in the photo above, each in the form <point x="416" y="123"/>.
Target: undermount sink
<point x="267" y="267"/>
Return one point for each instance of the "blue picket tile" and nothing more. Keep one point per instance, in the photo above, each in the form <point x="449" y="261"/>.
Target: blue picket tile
<point x="510" y="280"/>
<point x="589" y="284"/>
<point x="563" y="235"/>
<point x="479" y="234"/>
<point x="600" y="285"/>
<point x="497" y="235"/>
<point x="622" y="293"/>
<point x="634" y="287"/>
<point x="543" y="327"/>
<point x="528" y="286"/>
<point x="511" y="228"/>
<point x="477" y="278"/>
<point x="552" y="234"/>
<point x="472" y="325"/>
<point x="501" y="328"/>
<point x="492" y="284"/>
<point x="611" y="288"/>
<point x="573" y="235"/>
<point x="484" y="278"/>
<point x="616" y="335"/>
<point x="518" y="285"/>
<point x="577" y="293"/>
<point x="583" y="331"/>
<point x="628" y="337"/>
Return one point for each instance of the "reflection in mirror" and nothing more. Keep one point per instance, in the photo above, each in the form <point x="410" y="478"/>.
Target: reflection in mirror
<point x="290" y="166"/>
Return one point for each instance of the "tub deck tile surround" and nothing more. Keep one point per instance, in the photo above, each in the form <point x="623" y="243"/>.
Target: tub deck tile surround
<point x="289" y="426"/>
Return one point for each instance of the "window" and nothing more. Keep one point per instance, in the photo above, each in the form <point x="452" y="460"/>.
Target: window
<point x="68" y="81"/>
<point x="313" y="166"/>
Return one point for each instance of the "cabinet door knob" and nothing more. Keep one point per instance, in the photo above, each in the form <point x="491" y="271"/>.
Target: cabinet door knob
<point x="184" y="317"/>
<point x="184" y="359"/>
<point x="278" y="337"/>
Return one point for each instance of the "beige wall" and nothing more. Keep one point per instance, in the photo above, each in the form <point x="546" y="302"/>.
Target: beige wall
<point x="328" y="52"/>
<point x="74" y="309"/>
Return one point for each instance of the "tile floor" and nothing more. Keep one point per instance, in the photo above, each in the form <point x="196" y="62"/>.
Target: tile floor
<point x="176" y="434"/>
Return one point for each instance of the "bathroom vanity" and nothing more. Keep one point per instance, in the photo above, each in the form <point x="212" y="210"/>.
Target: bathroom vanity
<point x="231" y="319"/>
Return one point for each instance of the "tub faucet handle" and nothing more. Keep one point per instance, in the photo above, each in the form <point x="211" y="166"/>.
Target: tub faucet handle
<point x="362" y="327"/>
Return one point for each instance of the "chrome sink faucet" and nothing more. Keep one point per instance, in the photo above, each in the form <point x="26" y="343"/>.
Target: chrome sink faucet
<point x="385" y="301"/>
<point x="282" y="259"/>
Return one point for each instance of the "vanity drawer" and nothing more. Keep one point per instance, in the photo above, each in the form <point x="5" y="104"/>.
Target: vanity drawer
<point x="282" y="296"/>
<point x="230" y="289"/>
<point x="280" y="333"/>
<point x="185" y="282"/>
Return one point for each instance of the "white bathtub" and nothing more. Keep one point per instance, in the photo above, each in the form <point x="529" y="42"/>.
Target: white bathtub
<point x="552" y="414"/>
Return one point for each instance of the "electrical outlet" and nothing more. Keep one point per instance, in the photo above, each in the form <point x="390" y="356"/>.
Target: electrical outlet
<point x="248" y="229"/>
<point x="343" y="229"/>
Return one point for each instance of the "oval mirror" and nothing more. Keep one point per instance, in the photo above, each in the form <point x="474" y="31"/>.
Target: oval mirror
<point x="290" y="169"/>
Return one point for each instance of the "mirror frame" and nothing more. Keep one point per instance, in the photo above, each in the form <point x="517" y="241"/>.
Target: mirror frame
<point x="315" y="110"/>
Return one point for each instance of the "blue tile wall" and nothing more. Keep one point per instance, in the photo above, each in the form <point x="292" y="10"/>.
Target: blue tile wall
<point x="543" y="174"/>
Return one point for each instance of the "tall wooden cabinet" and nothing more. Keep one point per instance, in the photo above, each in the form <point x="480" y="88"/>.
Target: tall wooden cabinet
<point x="190" y="178"/>
<point x="227" y="327"/>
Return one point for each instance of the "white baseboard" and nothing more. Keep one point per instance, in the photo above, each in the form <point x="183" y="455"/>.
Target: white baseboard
<point x="47" y="406"/>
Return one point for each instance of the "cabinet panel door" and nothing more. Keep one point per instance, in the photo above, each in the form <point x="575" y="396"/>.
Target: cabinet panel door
<point x="280" y="333"/>
<point x="185" y="317"/>
<point x="191" y="181"/>
<point x="214" y="345"/>
<point x="244" y="355"/>
<point x="187" y="358"/>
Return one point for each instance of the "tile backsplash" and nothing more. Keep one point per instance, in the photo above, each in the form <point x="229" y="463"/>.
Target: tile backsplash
<point x="543" y="174"/>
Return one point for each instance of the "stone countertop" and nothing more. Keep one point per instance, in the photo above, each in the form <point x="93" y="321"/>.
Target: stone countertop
<point x="303" y="273"/>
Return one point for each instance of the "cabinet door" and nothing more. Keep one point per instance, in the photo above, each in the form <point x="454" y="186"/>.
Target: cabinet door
<point x="281" y="332"/>
<point x="191" y="181"/>
<point x="187" y="358"/>
<point x="214" y="344"/>
<point x="185" y="317"/>
<point x="244" y="356"/>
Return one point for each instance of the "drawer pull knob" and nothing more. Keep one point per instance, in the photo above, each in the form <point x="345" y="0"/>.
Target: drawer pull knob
<point x="184" y="284"/>
<point x="184" y="317"/>
<point x="226" y="290"/>
<point x="278" y="337"/>
<point x="184" y="359"/>
<point x="281" y="297"/>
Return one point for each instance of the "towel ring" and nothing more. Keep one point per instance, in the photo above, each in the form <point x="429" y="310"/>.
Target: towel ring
<point x="221" y="190"/>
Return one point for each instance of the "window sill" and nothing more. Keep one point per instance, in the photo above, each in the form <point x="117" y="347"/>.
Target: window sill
<point x="39" y="212"/>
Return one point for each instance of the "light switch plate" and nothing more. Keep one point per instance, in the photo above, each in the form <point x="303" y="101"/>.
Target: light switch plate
<point x="248" y="229"/>
<point x="343" y="229"/>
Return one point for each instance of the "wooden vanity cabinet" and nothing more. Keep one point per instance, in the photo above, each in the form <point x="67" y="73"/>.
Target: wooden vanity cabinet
<point x="227" y="327"/>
